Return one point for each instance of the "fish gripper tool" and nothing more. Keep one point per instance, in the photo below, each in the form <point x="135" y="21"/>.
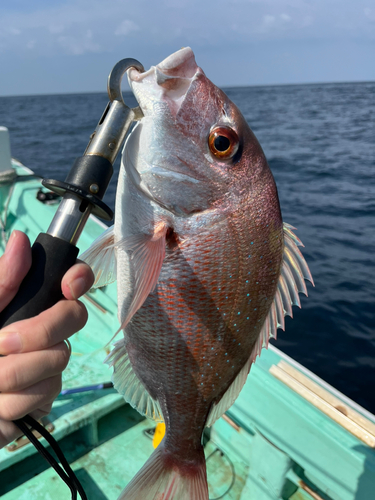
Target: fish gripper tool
<point x="55" y="251"/>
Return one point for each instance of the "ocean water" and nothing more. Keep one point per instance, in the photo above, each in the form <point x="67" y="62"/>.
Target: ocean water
<point x="320" y="143"/>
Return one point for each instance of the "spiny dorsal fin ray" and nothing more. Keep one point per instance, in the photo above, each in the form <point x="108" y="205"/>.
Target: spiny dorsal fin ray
<point x="291" y="281"/>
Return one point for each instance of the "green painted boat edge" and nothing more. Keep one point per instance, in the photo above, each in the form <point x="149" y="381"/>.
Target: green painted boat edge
<point x="283" y="442"/>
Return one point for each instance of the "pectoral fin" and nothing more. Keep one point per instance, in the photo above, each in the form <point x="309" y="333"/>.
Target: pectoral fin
<point x="148" y="252"/>
<point x="147" y="255"/>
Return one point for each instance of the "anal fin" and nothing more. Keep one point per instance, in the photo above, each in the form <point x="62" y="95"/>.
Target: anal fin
<point x="127" y="383"/>
<point x="219" y="408"/>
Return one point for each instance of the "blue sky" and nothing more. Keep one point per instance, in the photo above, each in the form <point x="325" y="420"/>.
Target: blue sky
<point x="58" y="46"/>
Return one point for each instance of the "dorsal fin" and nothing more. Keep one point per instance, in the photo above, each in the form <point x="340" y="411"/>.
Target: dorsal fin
<point x="291" y="281"/>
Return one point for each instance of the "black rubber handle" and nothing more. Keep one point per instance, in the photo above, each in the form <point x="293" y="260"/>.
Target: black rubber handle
<point x="41" y="288"/>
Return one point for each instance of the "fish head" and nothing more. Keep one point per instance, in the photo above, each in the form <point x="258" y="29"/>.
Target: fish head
<point x="192" y="150"/>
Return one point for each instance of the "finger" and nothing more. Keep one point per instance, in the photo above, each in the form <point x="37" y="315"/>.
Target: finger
<point x="14" y="405"/>
<point x="77" y="281"/>
<point x="46" y="330"/>
<point x="19" y="371"/>
<point x="42" y="411"/>
<point x="9" y="431"/>
<point x="14" y="265"/>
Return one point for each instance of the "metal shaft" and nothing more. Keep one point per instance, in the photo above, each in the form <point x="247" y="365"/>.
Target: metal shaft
<point x="105" y="142"/>
<point x="70" y="218"/>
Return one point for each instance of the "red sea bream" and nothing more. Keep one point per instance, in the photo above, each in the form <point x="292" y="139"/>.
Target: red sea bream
<point x="206" y="269"/>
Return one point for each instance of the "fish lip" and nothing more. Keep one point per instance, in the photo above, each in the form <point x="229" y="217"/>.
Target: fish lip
<point x="179" y="64"/>
<point x="168" y="81"/>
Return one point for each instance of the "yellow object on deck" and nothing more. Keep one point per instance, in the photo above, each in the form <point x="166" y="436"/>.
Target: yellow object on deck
<point x="159" y="434"/>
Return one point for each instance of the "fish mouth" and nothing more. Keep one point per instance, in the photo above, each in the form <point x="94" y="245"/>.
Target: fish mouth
<point x="160" y="93"/>
<point x="168" y="81"/>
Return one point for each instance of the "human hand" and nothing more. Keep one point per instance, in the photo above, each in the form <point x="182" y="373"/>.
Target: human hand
<point x="34" y="349"/>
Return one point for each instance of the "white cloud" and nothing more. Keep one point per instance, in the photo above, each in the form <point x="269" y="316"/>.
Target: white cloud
<point x="79" y="44"/>
<point x="126" y="27"/>
<point x="62" y="27"/>
<point x="285" y="17"/>
<point x="268" y="20"/>
<point x="232" y="40"/>
<point x="14" y="31"/>
<point x="369" y="13"/>
<point x="307" y="21"/>
<point x="277" y="24"/>
<point x="56" y="28"/>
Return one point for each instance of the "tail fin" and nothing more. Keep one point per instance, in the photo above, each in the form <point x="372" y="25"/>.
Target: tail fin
<point x="162" y="479"/>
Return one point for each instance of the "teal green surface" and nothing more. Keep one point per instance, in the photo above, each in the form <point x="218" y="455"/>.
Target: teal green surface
<point x="277" y="426"/>
<point x="281" y="443"/>
<point x="106" y="469"/>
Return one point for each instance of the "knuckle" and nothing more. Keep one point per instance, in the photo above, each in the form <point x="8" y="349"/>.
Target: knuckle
<point x="9" y="379"/>
<point x="8" y="411"/>
<point x="62" y="356"/>
<point x="48" y="389"/>
<point x="55" y="387"/>
<point x="40" y="395"/>
<point x="44" y="335"/>
<point x="8" y="287"/>
<point x="47" y="408"/>
<point x="42" y="411"/>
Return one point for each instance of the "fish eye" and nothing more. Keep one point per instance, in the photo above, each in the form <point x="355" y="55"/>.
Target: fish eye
<point x="223" y="142"/>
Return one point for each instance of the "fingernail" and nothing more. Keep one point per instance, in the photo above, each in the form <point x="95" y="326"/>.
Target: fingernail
<point x="10" y="343"/>
<point x="78" y="287"/>
<point x="10" y="242"/>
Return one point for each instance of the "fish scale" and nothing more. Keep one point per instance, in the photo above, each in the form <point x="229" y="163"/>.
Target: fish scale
<point x="213" y="331"/>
